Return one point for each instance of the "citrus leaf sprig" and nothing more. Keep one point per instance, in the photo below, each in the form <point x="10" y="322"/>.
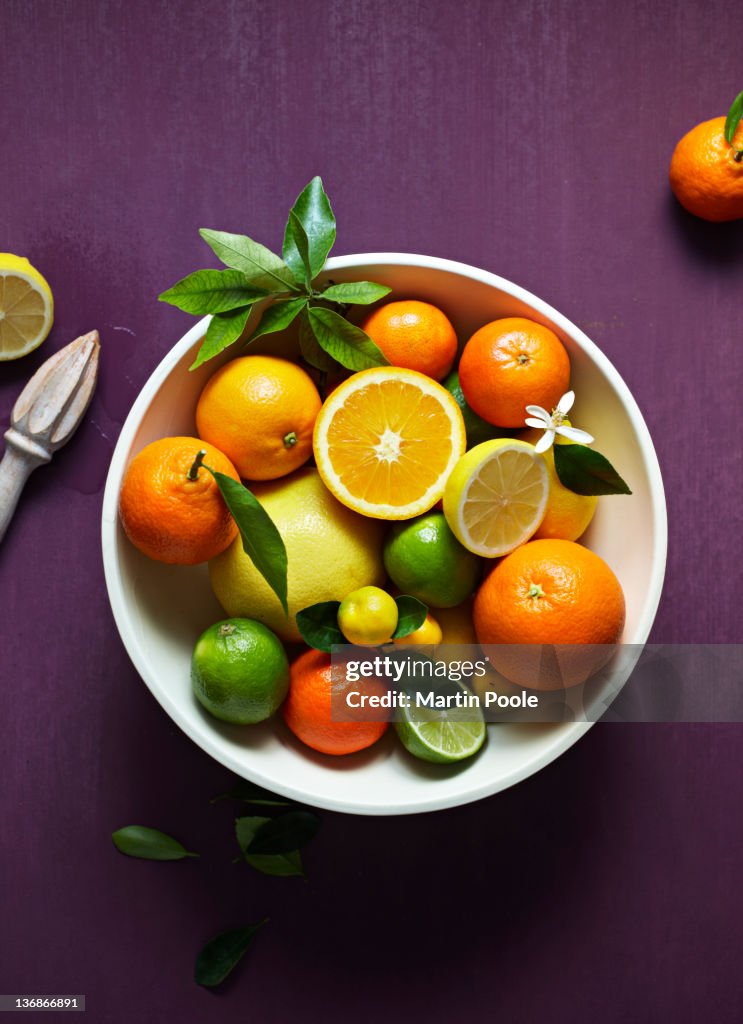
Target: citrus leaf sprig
<point x="318" y="623"/>
<point x="281" y="289"/>
<point x="732" y="121"/>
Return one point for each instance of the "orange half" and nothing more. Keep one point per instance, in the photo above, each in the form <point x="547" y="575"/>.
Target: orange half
<point x="386" y="441"/>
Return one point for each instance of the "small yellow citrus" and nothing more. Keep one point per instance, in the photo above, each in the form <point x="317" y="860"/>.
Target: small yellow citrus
<point x="368" y="616"/>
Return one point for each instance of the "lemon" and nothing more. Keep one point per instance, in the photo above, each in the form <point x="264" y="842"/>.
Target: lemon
<point x="26" y="307"/>
<point x="428" y="633"/>
<point x="568" y="514"/>
<point x="368" y="616"/>
<point x="240" y="671"/>
<point x="331" y="551"/>
<point x="495" y="498"/>
<point x="424" y="559"/>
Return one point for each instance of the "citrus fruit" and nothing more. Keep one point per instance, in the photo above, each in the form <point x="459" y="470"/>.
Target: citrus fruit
<point x="368" y="616"/>
<point x="239" y="671"/>
<point x="441" y="735"/>
<point x="705" y="175"/>
<point x="496" y="496"/>
<point x="386" y="441"/>
<point x="476" y="428"/>
<point x="316" y="699"/>
<point x="169" y="516"/>
<point x="457" y="627"/>
<point x="26" y="307"/>
<point x="415" y="335"/>
<point x="549" y="592"/>
<point x="331" y="551"/>
<point x="568" y="514"/>
<point x="428" y="633"/>
<point x="260" y="411"/>
<point x="423" y="558"/>
<point x="509" y="364"/>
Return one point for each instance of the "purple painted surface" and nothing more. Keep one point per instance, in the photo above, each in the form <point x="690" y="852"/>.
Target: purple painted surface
<point x="531" y="139"/>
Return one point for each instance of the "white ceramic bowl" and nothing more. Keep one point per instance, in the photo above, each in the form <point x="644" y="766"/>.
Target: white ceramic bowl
<point x="160" y="610"/>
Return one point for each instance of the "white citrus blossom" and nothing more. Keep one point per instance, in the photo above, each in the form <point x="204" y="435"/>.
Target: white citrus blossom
<point x="552" y="423"/>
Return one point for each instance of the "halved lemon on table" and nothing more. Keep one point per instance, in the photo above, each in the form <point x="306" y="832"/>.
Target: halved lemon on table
<point x="386" y="441"/>
<point x="496" y="496"/>
<point x="26" y="307"/>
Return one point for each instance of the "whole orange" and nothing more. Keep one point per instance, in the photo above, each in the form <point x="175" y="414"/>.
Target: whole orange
<point x="316" y="697"/>
<point x="170" y="517"/>
<point x="260" y="411"/>
<point x="509" y="364"/>
<point x="549" y="592"/>
<point x="415" y="335"/>
<point x="705" y="175"/>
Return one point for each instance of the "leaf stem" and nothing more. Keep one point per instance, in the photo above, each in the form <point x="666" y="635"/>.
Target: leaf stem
<point x="193" y="473"/>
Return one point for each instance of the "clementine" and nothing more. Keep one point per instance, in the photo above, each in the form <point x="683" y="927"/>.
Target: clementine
<point x="509" y="364"/>
<point x="170" y="509"/>
<point x="549" y="592"/>
<point x="260" y="411"/>
<point x="316" y="699"/>
<point x="414" y="335"/>
<point x="706" y="172"/>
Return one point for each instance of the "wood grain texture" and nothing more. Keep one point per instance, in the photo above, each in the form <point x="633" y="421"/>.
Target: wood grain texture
<point x="531" y="138"/>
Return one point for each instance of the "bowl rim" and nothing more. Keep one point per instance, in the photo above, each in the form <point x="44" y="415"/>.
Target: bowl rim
<point x="210" y="741"/>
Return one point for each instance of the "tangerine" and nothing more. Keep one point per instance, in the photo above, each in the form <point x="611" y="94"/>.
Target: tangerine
<point x="414" y="335"/>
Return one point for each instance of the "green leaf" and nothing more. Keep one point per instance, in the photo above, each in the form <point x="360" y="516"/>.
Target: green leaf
<point x="585" y="471"/>
<point x="250" y="793"/>
<point x="733" y="119"/>
<point x="212" y="291"/>
<point x="283" y="865"/>
<point x="149" y="844"/>
<point x="342" y="340"/>
<point x="280" y="865"/>
<point x="295" y="230"/>
<point x="311" y="351"/>
<point x="223" y="953"/>
<point x="313" y="212"/>
<point x="277" y="317"/>
<point x="411" y="614"/>
<point x="261" y="267"/>
<point x="318" y="624"/>
<point x="224" y="329"/>
<point x="262" y="542"/>
<point x="285" y="833"/>
<point x="356" y="293"/>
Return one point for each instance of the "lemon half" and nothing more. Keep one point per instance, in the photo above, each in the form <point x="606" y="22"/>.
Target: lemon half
<point x="495" y="498"/>
<point x="26" y="307"/>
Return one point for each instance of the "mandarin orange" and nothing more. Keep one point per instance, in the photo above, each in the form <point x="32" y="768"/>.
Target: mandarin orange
<point x="169" y="516"/>
<point x="706" y="172"/>
<point x="414" y="335"/>
<point x="316" y="699"/>
<point x="509" y="364"/>
<point x="549" y="592"/>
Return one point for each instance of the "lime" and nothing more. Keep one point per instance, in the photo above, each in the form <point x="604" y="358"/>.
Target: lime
<point x="441" y="735"/>
<point x="424" y="559"/>
<point x="368" y="616"/>
<point x="26" y="307"/>
<point x="239" y="671"/>
<point x="496" y="496"/>
<point x="476" y="428"/>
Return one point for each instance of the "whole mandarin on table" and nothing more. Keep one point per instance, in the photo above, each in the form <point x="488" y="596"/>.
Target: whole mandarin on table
<point x="415" y="335"/>
<point x="169" y="516"/>
<point x="315" y="686"/>
<point x="260" y="411"/>
<point x="549" y="592"/>
<point x="706" y="172"/>
<point x="509" y="364"/>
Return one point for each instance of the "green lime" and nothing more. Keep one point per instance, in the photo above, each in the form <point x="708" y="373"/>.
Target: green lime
<point x="441" y="734"/>
<point x="368" y="616"/>
<point x="477" y="429"/>
<point x="239" y="671"/>
<point x="424" y="559"/>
